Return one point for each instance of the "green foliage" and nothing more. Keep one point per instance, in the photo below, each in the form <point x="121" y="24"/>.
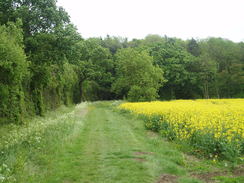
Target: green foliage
<point x="97" y="67"/>
<point x="176" y="63"/>
<point x="69" y="79"/>
<point x="207" y="145"/>
<point x="135" y="73"/>
<point x="52" y="47"/>
<point x="89" y="90"/>
<point x="35" y="15"/>
<point x="137" y="93"/>
<point x="193" y="47"/>
<point x="221" y="68"/>
<point x="114" y="43"/>
<point x="54" y="75"/>
<point x="13" y="69"/>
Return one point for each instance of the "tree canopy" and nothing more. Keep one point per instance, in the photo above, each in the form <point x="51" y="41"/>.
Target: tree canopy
<point x="136" y="76"/>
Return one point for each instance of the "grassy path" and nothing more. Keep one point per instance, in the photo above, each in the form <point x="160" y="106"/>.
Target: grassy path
<point x="103" y="146"/>
<point x="111" y="148"/>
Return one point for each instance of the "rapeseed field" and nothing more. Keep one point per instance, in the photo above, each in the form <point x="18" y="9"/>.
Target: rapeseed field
<point x="214" y="126"/>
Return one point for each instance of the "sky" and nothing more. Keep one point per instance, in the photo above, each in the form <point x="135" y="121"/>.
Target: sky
<point x="175" y="18"/>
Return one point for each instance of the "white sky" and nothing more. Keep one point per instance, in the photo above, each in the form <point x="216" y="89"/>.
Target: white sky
<point x="175" y="18"/>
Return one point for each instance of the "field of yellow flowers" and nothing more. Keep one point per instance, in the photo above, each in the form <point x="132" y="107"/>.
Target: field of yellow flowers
<point x="214" y="127"/>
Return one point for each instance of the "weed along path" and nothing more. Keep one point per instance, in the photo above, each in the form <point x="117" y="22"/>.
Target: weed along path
<point x="103" y="146"/>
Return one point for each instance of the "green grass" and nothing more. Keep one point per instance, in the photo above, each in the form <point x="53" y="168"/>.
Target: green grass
<point x="224" y="179"/>
<point x="93" y="143"/>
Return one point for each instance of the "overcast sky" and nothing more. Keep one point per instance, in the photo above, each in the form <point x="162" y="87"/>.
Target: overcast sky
<point x="175" y="18"/>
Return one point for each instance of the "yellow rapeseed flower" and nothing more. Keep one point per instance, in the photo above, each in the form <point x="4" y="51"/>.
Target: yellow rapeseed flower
<point x="224" y="118"/>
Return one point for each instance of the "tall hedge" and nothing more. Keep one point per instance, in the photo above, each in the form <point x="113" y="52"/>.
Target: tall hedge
<point x="13" y="70"/>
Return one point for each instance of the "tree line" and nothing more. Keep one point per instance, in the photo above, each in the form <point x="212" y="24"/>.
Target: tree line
<point x="45" y="63"/>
